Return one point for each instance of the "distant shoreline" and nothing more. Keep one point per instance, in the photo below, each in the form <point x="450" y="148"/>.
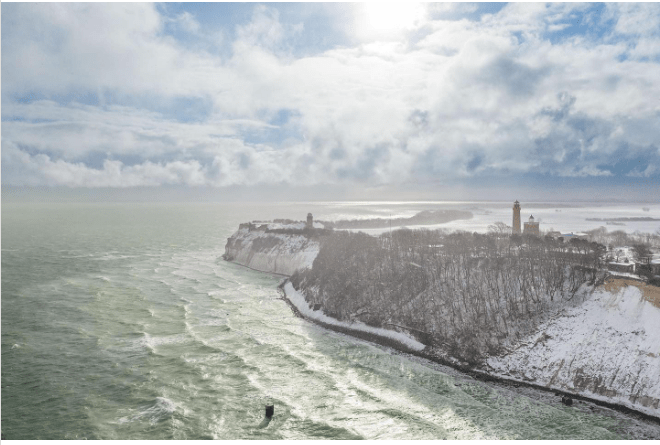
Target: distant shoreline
<point x="625" y="219"/>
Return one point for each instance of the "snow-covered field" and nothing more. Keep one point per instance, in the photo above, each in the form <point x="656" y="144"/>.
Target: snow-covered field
<point x="608" y="348"/>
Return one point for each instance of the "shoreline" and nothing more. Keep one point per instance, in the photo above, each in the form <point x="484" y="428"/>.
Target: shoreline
<point x="476" y="374"/>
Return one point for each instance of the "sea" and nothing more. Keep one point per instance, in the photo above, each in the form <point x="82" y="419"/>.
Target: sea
<point x="122" y="321"/>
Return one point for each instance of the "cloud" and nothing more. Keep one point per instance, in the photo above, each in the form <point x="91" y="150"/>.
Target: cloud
<point x="463" y="97"/>
<point x="635" y="18"/>
<point x="586" y="171"/>
<point x="187" y="22"/>
<point x="650" y="169"/>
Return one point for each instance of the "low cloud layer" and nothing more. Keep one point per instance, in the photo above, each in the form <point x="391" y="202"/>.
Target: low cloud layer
<point x="125" y="95"/>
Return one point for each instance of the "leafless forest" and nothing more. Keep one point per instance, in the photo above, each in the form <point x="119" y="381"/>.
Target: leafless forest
<point x="468" y="294"/>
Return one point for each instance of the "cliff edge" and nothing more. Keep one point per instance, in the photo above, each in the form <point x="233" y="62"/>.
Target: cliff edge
<point x="607" y="348"/>
<point x="274" y="247"/>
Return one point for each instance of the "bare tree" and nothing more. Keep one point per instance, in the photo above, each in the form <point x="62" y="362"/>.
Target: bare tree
<point x="499" y="228"/>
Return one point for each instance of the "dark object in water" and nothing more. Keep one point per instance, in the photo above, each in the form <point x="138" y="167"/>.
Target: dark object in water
<point x="270" y="410"/>
<point x="317" y="306"/>
<point x="566" y="401"/>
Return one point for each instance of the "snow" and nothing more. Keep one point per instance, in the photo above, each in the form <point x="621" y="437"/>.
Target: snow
<point x="291" y="253"/>
<point x="608" y="349"/>
<point x="298" y="300"/>
<point x="623" y="274"/>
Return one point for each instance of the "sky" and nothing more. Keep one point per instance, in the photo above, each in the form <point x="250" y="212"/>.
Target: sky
<point x="332" y="100"/>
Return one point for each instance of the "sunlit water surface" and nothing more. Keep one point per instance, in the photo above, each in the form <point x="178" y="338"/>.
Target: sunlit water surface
<point x="120" y="321"/>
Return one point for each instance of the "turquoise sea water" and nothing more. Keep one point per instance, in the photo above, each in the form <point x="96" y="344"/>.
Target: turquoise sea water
<point x="120" y="321"/>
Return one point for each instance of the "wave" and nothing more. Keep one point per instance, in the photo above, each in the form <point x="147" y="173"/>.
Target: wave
<point x="162" y="408"/>
<point x="109" y="257"/>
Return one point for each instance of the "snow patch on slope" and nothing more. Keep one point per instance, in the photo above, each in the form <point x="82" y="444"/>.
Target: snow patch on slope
<point x="298" y="300"/>
<point x="607" y="349"/>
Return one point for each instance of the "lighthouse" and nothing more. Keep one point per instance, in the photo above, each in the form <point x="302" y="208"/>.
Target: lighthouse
<point x="516" y="218"/>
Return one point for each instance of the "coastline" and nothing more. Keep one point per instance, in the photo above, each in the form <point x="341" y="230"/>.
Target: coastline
<point x="476" y="374"/>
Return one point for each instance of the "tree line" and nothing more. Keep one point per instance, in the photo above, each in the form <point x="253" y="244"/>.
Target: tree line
<point x="467" y="293"/>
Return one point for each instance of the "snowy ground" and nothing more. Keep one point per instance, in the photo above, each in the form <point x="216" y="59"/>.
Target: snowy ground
<point x="607" y="349"/>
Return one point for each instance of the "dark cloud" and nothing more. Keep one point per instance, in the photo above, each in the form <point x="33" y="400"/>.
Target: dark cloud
<point x="519" y="79"/>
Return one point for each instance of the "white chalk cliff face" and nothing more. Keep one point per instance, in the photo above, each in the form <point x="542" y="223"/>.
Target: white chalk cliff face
<point x="272" y="252"/>
<point x="607" y="349"/>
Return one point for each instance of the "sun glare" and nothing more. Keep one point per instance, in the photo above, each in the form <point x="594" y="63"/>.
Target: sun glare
<point x="382" y="20"/>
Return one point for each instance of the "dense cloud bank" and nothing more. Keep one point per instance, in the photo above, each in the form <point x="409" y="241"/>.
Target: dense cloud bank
<point x="127" y="95"/>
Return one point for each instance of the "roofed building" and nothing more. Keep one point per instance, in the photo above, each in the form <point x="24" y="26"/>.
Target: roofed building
<point x="531" y="227"/>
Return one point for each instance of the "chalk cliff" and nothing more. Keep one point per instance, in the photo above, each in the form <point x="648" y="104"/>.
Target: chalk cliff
<point x="274" y="248"/>
<point x="608" y="349"/>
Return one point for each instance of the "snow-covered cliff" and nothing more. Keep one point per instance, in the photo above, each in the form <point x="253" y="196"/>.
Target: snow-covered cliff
<point x="607" y="349"/>
<point x="261" y="247"/>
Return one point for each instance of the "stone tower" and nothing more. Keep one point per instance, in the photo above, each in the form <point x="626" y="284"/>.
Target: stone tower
<point x="310" y="221"/>
<point x="516" y="218"/>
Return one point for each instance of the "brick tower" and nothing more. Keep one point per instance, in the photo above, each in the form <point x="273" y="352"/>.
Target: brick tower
<point x="516" y="218"/>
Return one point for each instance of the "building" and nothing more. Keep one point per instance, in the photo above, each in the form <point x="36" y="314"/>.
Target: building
<point x="531" y="227"/>
<point x="621" y="267"/>
<point x="310" y="221"/>
<point x="516" y="218"/>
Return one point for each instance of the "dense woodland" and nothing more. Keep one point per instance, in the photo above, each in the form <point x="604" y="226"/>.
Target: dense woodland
<point x="468" y="293"/>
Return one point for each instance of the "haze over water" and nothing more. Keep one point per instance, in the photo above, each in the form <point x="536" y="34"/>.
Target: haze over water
<point x="120" y="321"/>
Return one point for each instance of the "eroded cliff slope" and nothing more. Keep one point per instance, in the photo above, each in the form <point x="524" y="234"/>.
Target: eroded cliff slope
<point x="608" y="348"/>
<point x="274" y="248"/>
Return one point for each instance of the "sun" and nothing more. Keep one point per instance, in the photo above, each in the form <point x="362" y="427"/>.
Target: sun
<point x="388" y="20"/>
